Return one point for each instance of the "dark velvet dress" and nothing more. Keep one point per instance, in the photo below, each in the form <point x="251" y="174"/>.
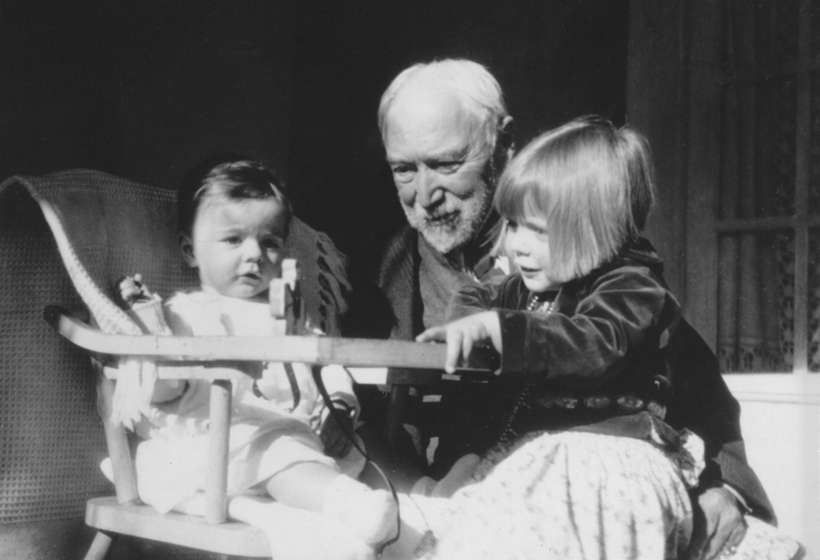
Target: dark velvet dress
<point x="588" y="429"/>
<point x="614" y="356"/>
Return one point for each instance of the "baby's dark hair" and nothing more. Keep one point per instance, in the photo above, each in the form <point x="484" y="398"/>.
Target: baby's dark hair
<point x="235" y="179"/>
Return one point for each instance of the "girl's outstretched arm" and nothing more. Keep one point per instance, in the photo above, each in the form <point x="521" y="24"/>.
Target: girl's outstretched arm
<point x="461" y="335"/>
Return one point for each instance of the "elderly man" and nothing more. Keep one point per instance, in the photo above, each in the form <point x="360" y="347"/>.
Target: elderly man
<point x="446" y="134"/>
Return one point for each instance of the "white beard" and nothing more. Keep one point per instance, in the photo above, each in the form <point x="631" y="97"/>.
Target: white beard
<point x="456" y="233"/>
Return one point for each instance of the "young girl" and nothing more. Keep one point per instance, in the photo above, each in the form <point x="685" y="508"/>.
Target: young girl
<point x="234" y="221"/>
<point x="588" y="465"/>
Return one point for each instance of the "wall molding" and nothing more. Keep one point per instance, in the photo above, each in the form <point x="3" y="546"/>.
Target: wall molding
<point x="783" y="388"/>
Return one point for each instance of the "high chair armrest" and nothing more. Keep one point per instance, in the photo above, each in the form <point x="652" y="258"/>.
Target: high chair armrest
<point x="318" y="350"/>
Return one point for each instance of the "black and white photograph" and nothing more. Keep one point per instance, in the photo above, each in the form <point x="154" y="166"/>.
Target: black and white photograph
<point x="410" y="280"/>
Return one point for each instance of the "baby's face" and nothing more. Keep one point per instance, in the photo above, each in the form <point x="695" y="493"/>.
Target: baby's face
<point x="237" y="245"/>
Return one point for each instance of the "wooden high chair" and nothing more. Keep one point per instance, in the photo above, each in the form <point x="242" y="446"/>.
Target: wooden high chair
<point x="124" y="514"/>
<point x="105" y="227"/>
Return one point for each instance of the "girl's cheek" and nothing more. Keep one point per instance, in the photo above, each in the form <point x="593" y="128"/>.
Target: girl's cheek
<point x="513" y="241"/>
<point x="505" y="247"/>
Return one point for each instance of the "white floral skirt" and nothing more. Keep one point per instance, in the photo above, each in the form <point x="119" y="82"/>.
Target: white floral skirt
<point x="569" y="495"/>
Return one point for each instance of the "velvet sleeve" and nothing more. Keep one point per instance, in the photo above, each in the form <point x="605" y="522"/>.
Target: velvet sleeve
<point x="585" y="346"/>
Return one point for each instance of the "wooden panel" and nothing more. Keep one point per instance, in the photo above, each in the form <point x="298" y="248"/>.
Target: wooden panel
<point x="656" y="105"/>
<point x="703" y="170"/>
<point x="801" y="194"/>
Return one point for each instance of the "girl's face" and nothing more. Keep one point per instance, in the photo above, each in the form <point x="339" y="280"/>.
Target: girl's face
<point x="527" y="244"/>
<point x="237" y="245"/>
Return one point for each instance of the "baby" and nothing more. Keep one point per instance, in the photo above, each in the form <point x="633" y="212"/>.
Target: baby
<point x="233" y="225"/>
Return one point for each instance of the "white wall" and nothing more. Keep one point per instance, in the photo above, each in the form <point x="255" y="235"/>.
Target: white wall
<point x="780" y="419"/>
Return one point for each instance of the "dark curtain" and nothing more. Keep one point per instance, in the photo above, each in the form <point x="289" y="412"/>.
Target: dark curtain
<point x="756" y="268"/>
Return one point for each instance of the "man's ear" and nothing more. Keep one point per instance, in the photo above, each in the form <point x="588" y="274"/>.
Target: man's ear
<point x="504" y="144"/>
<point x="505" y="140"/>
<point x="186" y="247"/>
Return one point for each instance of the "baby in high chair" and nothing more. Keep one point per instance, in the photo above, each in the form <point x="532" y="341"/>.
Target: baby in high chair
<point x="233" y="227"/>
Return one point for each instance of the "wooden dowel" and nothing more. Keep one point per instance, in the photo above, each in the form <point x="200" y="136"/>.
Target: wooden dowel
<point x="99" y="546"/>
<point x="216" y="484"/>
<point x="116" y="441"/>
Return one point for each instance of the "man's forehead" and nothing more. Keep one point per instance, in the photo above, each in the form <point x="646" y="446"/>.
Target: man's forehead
<point x="430" y="121"/>
<point x="422" y="100"/>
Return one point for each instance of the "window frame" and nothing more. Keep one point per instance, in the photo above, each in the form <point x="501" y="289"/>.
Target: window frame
<point x="703" y="227"/>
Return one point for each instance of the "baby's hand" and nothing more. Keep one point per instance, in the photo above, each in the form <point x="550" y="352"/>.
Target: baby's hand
<point x="132" y="290"/>
<point x="336" y="438"/>
<point x="463" y="334"/>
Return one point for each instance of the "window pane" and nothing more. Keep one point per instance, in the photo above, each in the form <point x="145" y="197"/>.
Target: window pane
<point x="813" y="308"/>
<point x="756" y="302"/>
<point x="758" y="152"/>
<point x="759" y="110"/>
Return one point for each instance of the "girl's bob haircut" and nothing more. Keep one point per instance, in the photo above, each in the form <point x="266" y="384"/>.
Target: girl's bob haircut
<point x="592" y="183"/>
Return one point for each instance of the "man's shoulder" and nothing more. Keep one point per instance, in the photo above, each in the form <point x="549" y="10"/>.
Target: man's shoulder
<point x="398" y="284"/>
<point x="399" y="254"/>
<point x="400" y="243"/>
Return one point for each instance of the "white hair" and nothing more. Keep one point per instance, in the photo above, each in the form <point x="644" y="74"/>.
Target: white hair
<point x="477" y="90"/>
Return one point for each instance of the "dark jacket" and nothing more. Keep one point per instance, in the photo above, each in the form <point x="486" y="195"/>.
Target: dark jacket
<point x="399" y="282"/>
<point x="461" y="411"/>
<point x="617" y="332"/>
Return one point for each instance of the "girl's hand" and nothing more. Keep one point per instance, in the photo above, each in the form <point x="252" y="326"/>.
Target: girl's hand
<point x="463" y="334"/>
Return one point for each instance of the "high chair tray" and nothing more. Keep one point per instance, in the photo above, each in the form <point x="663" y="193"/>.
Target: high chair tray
<point x="318" y="350"/>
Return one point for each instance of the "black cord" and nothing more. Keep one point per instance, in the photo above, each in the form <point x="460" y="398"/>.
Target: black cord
<point x="333" y="412"/>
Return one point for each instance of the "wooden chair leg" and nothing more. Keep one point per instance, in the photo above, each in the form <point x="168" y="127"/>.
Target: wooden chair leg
<point x="116" y="440"/>
<point x="216" y="504"/>
<point x="99" y="546"/>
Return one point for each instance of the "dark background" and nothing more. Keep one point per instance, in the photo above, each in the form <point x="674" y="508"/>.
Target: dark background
<point x="148" y="89"/>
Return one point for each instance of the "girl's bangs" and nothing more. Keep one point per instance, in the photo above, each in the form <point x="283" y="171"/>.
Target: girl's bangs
<point x="516" y="200"/>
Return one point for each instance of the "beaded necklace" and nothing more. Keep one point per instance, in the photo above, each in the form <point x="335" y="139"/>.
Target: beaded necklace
<point x="542" y="302"/>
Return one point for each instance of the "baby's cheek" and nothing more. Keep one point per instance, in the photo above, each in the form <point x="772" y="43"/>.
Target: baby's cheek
<point x="275" y="264"/>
